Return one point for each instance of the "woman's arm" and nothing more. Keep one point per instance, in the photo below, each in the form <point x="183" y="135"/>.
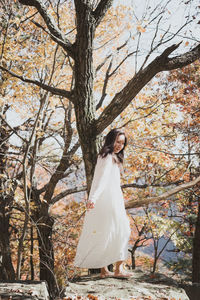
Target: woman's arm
<point x="101" y="177"/>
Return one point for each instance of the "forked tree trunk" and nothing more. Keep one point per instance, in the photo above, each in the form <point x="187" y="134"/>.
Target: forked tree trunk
<point x="84" y="102"/>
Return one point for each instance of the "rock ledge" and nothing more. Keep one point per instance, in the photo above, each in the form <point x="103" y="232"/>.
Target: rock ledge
<point x="140" y="286"/>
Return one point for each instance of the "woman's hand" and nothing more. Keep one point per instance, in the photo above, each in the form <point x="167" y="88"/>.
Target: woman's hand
<point x="89" y="204"/>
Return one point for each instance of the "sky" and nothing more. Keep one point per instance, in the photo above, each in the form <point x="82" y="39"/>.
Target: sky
<point x="174" y="17"/>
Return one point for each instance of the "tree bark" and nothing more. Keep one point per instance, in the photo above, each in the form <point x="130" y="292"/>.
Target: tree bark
<point x="84" y="104"/>
<point x="31" y="253"/>
<point x="169" y="193"/>
<point x="161" y="63"/>
<point x="6" y="198"/>
<point x="44" y="225"/>
<point x="83" y="92"/>
<point x="196" y="251"/>
<point x="133" y="257"/>
<point x="7" y="271"/>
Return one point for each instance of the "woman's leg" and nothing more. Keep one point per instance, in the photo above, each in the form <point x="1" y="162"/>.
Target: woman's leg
<point x="119" y="270"/>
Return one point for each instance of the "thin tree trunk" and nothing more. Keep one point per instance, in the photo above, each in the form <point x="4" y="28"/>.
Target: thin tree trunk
<point x="196" y="251"/>
<point x="155" y="256"/>
<point x="20" y="246"/>
<point x="133" y="260"/>
<point x="31" y="256"/>
<point x="133" y="257"/>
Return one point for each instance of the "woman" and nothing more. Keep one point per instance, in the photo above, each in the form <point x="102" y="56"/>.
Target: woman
<point x="106" y="230"/>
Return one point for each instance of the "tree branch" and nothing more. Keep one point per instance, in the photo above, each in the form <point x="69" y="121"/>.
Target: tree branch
<point x="101" y="10"/>
<point x="183" y="60"/>
<point x="13" y="129"/>
<point x="144" y="186"/>
<point x="67" y="192"/>
<point x="53" y="90"/>
<point x="107" y="76"/>
<point x="143" y="202"/>
<point x="65" y="162"/>
<point x="84" y="189"/>
<point x="55" y="32"/>
<point x="161" y="63"/>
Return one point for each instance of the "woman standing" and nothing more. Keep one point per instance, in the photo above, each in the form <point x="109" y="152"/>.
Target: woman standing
<point x="106" y="230"/>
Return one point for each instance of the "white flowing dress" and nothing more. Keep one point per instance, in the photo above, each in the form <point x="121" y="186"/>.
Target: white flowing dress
<point x="106" y="229"/>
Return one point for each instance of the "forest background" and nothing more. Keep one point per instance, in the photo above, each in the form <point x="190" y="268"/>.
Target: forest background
<point x="69" y="72"/>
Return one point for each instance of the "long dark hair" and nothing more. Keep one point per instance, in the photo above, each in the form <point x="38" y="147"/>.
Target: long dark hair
<point x="108" y="146"/>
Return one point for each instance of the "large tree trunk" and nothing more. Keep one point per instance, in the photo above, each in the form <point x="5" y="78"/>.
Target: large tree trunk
<point x="84" y="103"/>
<point x="196" y="251"/>
<point x="44" y="229"/>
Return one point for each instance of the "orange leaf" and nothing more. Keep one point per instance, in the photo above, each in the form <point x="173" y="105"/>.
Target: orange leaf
<point x="141" y="29"/>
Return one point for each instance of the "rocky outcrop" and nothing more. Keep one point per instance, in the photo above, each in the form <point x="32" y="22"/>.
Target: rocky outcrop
<point x="140" y="286"/>
<point x="28" y="290"/>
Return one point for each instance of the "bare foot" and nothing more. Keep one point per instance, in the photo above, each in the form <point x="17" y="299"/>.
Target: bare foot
<point x="106" y="274"/>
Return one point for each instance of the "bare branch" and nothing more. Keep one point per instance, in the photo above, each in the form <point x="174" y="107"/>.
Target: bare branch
<point x="161" y="63"/>
<point x="110" y="74"/>
<point x="55" y="39"/>
<point x="144" y="186"/>
<point x="68" y="192"/>
<point x="25" y="189"/>
<point x="107" y="42"/>
<point x="103" y="63"/>
<point x="152" y="43"/>
<point x="5" y="35"/>
<point x="84" y="188"/>
<point x="101" y="10"/>
<point x="164" y="196"/>
<point x="107" y="76"/>
<point x="166" y="152"/>
<point x="56" y="33"/>
<point x="137" y="50"/>
<point x="123" y="60"/>
<point x="65" y="162"/>
<point x="14" y="130"/>
<point x="183" y="60"/>
<point x="53" y="90"/>
<point x="153" y="111"/>
<point x="162" y="41"/>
